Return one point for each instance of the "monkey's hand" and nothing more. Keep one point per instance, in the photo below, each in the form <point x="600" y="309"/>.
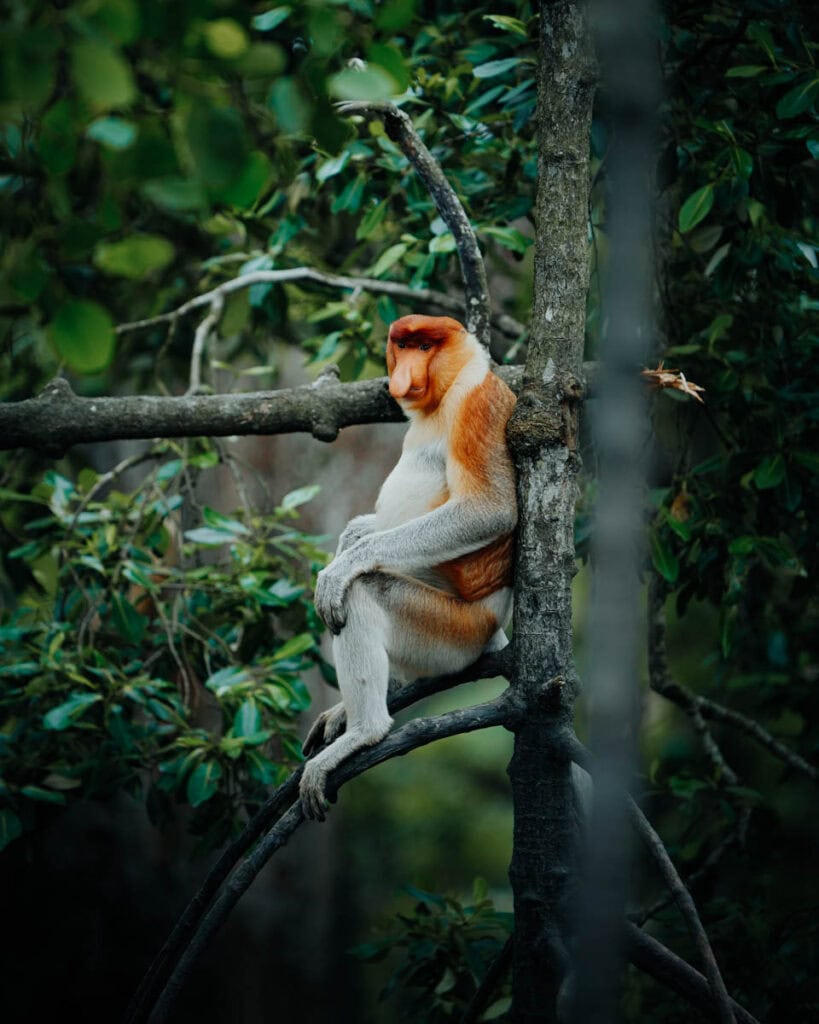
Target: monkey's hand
<point x="332" y="585"/>
<point x="358" y="527"/>
<point x="312" y="790"/>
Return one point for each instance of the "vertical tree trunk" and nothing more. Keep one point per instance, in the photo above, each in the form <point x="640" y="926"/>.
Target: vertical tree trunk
<point x="542" y="436"/>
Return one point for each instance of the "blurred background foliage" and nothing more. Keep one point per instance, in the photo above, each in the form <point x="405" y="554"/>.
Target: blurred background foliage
<point x="153" y="641"/>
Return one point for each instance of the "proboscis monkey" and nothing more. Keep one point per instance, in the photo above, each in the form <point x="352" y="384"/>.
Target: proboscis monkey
<point x="422" y="586"/>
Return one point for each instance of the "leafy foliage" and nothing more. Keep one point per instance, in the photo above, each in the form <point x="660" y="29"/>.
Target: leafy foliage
<point x="447" y="949"/>
<point x="139" y="659"/>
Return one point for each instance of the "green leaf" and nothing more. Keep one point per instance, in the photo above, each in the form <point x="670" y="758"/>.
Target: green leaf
<point x="746" y="71"/>
<point x="696" y="208"/>
<point x="83" y="334"/>
<point x="493" y="68"/>
<point x="102" y="75"/>
<point x="742" y="161"/>
<point x="218" y="144"/>
<point x="300" y="496"/>
<point x="387" y="259"/>
<point x="11" y="827"/>
<point x="175" y="194"/>
<point x="770" y="472"/>
<point x="203" y="782"/>
<point x="288" y="103"/>
<point x="497" y="1009"/>
<point x="251" y="183"/>
<point x="391" y="60"/>
<point x="507" y="24"/>
<point x="225" y="38"/>
<point x="127" y="620"/>
<point x="509" y="238"/>
<point x="69" y="711"/>
<point x="223" y="522"/>
<point x="45" y="796"/>
<point x="663" y="558"/>
<point x="371" y="220"/>
<point x="135" y="257"/>
<point x="209" y="537"/>
<point x="294" y="646"/>
<point x="798" y="99"/>
<point x="248" y="719"/>
<point x="442" y="243"/>
<point x="395" y="14"/>
<point x="269" y="20"/>
<point x="226" y="678"/>
<point x="112" y="132"/>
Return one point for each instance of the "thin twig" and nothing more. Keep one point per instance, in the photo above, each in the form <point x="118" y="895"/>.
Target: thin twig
<point x="502" y="322"/>
<point x="200" y="339"/>
<point x="682" y="896"/>
<point x="399" y="128"/>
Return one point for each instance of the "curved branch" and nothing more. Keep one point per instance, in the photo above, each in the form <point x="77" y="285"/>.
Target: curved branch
<point x="501" y="711"/>
<point x="502" y="322"/>
<point x="486" y="667"/>
<point x="648" y="955"/>
<point x="698" y="707"/>
<point x="655" y="959"/>
<point x="399" y="128"/>
<point x="682" y="896"/>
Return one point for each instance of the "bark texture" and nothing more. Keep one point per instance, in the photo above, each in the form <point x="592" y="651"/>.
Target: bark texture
<point x="542" y="436"/>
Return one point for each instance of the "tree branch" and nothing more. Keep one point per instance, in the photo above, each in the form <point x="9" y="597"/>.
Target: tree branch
<point x="703" y="707"/>
<point x="399" y="128"/>
<point x="501" y="711"/>
<point x="647" y="954"/>
<point x="682" y="896"/>
<point x="502" y="322"/>
<point x="655" y="959"/>
<point x="487" y="666"/>
<point x="57" y="418"/>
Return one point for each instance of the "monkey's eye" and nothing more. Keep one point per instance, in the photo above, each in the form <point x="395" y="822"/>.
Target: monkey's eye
<point x="424" y="347"/>
<point x="402" y="344"/>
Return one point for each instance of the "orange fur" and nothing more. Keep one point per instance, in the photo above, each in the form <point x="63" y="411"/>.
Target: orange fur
<point x="480" y="430"/>
<point x="481" y="573"/>
<point x="431" y="612"/>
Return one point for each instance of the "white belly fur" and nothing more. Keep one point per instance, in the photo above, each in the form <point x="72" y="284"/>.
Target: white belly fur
<point x="413" y="488"/>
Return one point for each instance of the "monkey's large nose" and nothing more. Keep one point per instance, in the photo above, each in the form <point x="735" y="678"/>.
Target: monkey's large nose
<point x="401" y="380"/>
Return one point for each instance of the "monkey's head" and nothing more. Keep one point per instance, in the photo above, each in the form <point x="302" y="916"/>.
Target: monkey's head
<point x="424" y="355"/>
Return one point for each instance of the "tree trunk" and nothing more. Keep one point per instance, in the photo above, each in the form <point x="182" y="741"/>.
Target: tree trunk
<point x="543" y="439"/>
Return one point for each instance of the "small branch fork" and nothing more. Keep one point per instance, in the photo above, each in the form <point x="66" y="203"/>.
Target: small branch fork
<point x="399" y="128"/>
<point x="272" y="826"/>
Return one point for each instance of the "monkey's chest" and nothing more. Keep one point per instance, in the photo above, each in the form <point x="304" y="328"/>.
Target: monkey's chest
<point x="416" y="486"/>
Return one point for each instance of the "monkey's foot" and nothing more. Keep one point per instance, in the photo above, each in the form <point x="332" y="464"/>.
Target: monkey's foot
<point x="312" y="794"/>
<point x="329" y="725"/>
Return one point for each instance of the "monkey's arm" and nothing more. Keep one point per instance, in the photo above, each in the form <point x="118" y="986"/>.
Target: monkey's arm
<point x="459" y="526"/>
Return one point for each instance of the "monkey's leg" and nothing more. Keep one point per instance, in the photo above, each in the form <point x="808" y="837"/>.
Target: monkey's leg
<point x="363" y="669"/>
<point x="393" y="622"/>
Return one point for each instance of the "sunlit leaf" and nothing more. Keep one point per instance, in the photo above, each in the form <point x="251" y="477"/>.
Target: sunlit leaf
<point x="134" y="257"/>
<point x="69" y="711"/>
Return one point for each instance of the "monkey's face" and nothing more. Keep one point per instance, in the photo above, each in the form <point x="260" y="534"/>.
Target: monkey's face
<point x="419" y="351"/>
